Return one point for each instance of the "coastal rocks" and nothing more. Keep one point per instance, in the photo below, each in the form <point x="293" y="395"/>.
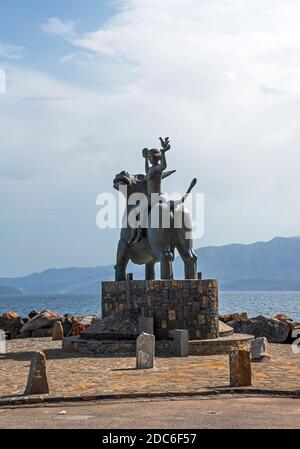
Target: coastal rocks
<point x="32" y="314"/>
<point x="37" y="379"/>
<point x="292" y="324"/>
<point x="78" y="325"/>
<point x="76" y="329"/>
<point x="274" y="330"/>
<point x="260" y="349"/>
<point x="11" y="322"/>
<point x="225" y="330"/>
<point x="67" y="323"/>
<point x="123" y="325"/>
<point x="87" y="320"/>
<point x="41" y="333"/>
<point x="43" y="320"/>
<point x="234" y="317"/>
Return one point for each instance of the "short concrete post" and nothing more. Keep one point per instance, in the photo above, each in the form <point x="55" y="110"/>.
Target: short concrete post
<point x="146" y="325"/>
<point x="2" y="342"/>
<point x="181" y="343"/>
<point x="58" y="332"/>
<point x="240" y="369"/>
<point x="145" y="351"/>
<point x="260" y="349"/>
<point x="37" y="379"/>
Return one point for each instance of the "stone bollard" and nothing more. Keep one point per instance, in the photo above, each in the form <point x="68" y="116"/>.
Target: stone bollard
<point x="240" y="369"/>
<point x="181" y="343"/>
<point x="260" y="349"/>
<point x="58" y="332"/>
<point x="146" y="325"/>
<point x="37" y="379"/>
<point x="145" y="350"/>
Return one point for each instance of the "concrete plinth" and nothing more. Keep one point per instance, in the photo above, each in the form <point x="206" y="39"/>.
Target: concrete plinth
<point x="181" y="343"/>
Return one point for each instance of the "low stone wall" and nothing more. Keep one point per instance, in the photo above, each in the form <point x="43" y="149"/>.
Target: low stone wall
<point x="121" y="348"/>
<point x="164" y="348"/>
<point x="174" y="304"/>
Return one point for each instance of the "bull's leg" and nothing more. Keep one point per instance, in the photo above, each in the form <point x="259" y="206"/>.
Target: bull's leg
<point x="150" y="271"/>
<point x="166" y="267"/>
<point x="189" y="259"/>
<point x="122" y="261"/>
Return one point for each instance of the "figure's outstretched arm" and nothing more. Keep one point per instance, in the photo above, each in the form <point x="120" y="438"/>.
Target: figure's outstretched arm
<point x="163" y="164"/>
<point x="165" y="143"/>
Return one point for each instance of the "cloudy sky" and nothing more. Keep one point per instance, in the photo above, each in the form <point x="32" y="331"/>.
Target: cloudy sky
<point x="89" y="84"/>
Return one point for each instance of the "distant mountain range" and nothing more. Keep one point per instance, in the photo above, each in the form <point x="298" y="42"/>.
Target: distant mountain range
<point x="273" y="265"/>
<point x="9" y="291"/>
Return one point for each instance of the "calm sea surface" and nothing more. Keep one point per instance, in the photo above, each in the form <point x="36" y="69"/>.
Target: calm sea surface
<point x="255" y="303"/>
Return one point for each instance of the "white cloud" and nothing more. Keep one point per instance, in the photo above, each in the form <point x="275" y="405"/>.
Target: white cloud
<point x="221" y="78"/>
<point x="8" y="51"/>
<point x="59" y="27"/>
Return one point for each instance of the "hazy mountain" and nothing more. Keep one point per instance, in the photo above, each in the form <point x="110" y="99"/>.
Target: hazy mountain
<point x="273" y="265"/>
<point x="276" y="260"/>
<point x="4" y="290"/>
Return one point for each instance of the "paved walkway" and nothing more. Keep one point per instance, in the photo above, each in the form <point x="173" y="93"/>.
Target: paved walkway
<point x="221" y="413"/>
<point x="76" y="375"/>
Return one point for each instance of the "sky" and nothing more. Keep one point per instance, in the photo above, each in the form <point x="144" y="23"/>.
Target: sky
<point x="90" y="84"/>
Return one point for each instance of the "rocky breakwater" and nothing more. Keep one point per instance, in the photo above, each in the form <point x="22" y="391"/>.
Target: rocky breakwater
<point x="279" y="329"/>
<point x="41" y="324"/>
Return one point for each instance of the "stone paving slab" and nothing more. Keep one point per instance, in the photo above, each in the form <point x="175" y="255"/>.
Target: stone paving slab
<point x="73" y="375"/>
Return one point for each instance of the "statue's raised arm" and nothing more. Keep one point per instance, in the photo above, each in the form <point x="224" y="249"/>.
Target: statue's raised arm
<point x="165" y="143"/>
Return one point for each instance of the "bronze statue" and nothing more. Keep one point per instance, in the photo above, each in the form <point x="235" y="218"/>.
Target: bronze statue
<point x="150" y="243"/>
<point x="154" y="175"/>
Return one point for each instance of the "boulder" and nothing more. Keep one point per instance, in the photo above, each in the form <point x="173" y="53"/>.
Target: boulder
<point x="274" y="330"/>
<point x="292" y="324"/>
<point x="260" y="349"/>
<point x="44" y="320"/>
<point x="76" y="329"/>
<point x="11" y="322"/>
<point x="67" y="323"/>
<point x="117" y="326"/>
<point x="24" y="335"/>
<point x="41" y="333"/>
<point x="87" y="320"/>
<point x="32" y="314"/>
<point x="225" y="330"/>
<point x="234" y="317"/>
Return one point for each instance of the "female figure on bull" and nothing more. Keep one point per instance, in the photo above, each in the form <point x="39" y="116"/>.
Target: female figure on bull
<point x="154" y="176"/>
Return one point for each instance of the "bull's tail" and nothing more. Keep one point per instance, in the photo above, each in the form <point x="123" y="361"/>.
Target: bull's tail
<point x="184" y="198"/>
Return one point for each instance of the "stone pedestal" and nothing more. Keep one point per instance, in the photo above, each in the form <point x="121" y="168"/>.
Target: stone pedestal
<point x="181" y="343"/>
<point x="190" y="305"/>
<point x="146" y="325"/>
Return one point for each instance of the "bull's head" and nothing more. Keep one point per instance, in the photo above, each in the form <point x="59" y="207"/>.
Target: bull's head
<point x="134" y="183"/>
